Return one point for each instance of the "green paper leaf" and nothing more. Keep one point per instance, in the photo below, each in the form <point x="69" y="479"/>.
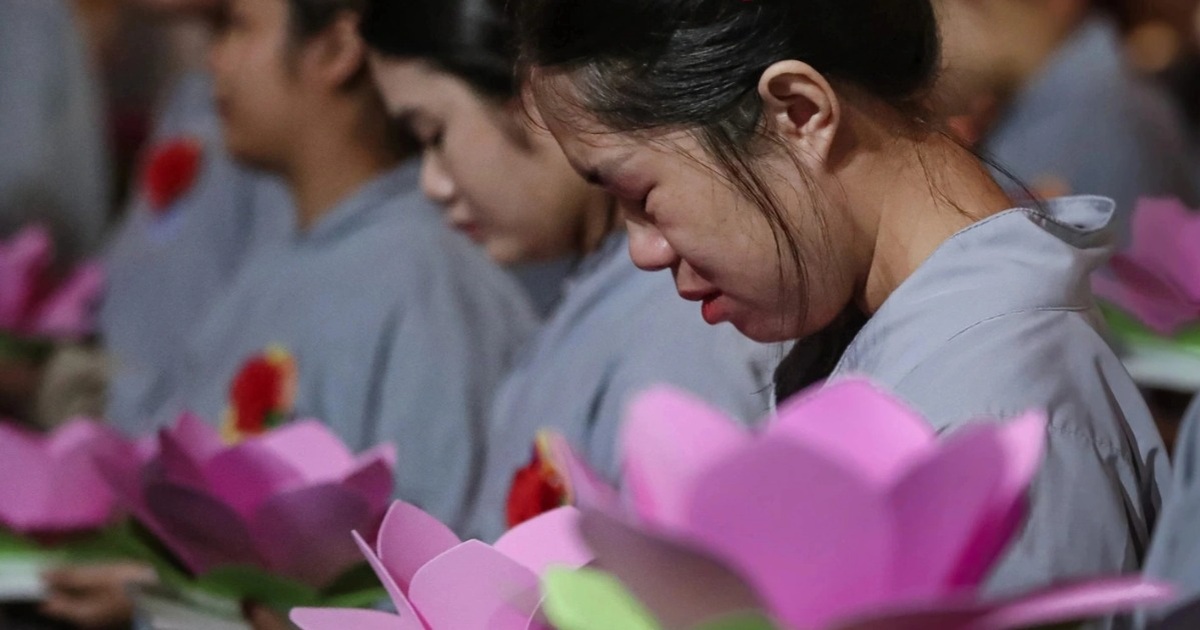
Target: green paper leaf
<point x="592" y="600"/>
<point x="121" y="541"/>
<point x="1129" y="330"/>
<point x="740" y="621"/>
<point x="357" y="588"/>
<point x="24" y="350"/>
<point x="251" y="583"/>
<point x="13" y="544"/>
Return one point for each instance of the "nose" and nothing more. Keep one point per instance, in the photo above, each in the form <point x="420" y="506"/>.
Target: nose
<point x="436" y="182"/>
<point x="648" y="248"/>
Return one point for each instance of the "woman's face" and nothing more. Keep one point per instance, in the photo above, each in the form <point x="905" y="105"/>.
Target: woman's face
<point x="685" y="215"/>
<point x="503" y="181"/>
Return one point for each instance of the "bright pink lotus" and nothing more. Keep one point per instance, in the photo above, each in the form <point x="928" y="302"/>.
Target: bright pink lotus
<point x="31" y="305"/>
<point x="49" y="484"/>
<point x="1158" y="278"/>
<point x="438" y="582"/>
<point x="282" y="502"/>
<point x="845" y="512"/>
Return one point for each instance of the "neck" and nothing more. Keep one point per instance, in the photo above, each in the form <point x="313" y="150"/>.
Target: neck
<point x="927" y="190"/>
<point x="332" y="161"/>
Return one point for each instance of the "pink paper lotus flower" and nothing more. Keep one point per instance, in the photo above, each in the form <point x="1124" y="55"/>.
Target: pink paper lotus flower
<point x="847" y="511"/>
<point x="30" y="304"/>
<point x="438" y="582"/>
<point x="282" y="501"/>
<point x="1157" y="279"/>
<point x="49" y="484"/>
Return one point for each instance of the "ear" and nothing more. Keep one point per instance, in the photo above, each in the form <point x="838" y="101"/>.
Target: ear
<point x="802" y="108"/>
<point x="338" y="54"/>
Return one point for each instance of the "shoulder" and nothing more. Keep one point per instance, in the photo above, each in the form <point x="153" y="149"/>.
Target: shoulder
<point x="1051" y="360"/>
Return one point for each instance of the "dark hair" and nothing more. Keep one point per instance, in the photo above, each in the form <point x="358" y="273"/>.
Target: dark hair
<point x="695" y="65"/>
<point x="472" y="39"/>
<point x="309" y="17"/>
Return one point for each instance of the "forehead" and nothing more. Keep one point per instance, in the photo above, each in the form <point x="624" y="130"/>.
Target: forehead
<point x="409" y="82"/>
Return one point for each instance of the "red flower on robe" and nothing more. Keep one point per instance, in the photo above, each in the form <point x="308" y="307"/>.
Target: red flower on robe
<point x="171" y="171"/>
<point x="261" y="396"/>
<point x="536" y="489"/>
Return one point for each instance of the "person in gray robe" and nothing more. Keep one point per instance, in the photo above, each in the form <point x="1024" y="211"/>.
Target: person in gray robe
<point x="167" y="266"/>
<point x="399" y="328"/>
<point x="1089" y="121"/>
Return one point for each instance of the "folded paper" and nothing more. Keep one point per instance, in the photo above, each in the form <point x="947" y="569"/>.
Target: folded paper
<point x="438" y="582"/>
<point x="846" y="511"/>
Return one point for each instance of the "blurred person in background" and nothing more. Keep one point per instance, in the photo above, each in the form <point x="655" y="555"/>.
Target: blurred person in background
<point x="55" y="167"/>
<point x="194" y="216"/>
<point x="1044" y="90"/>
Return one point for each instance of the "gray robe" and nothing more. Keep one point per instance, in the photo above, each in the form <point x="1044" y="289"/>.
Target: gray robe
<point x="166" y="270"/>
<point x="1001" y="320"/>
<point x="617" y="332"/>
<point x="400" y="328"/>
<point x="1088" y="119"/>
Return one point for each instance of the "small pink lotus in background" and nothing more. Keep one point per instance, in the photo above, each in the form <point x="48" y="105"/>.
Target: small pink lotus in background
<point x="438" y="582"/>
<point x="846" y="511"/>
<point x="31" y="304"/>
<point x="282" y="502"/>
<point x="49" y="483"/>
<point x="1157" y="279"/>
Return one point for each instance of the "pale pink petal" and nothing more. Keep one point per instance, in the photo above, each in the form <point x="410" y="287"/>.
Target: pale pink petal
<point x="248" y="474"/>
<point x="25" y="257"/>
<point x="681" y="585"/>
<point x="408" y="539"/>
<point x="1066" y="603"/>
<point x="780" y="514"/>
<point x="1074" y="602"/>
<point x="122" y="468"/>
<point x="311" y="449"/>
<point x="854" y="421"/>
<point x="1164" y="241"/>
<point x="200" y="530"/>
<point x="373" y="477"/>
<point x="475" y="587"/>
<point x="349" y="618"/>
<point x="302" y="534"/>
<point x="669" y="436"/>
<point x="183" y="449"/>
<point x="938" y="507"/>
<point x="71" y="311"/>
<point x="1023" y="442"/>
<point x="585" y="486"/>
<point x="551" y="539"/>
<point x="1155" y="301"/>
<point x="25" y="479"/>
<point x="82" y="499"/>
<point x="399" y="598"/>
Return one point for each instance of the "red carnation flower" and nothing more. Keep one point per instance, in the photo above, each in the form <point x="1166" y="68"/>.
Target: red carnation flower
<point x="171" y="170"/>
<point x="536" y="489"/>
<point x="261" y="395"/>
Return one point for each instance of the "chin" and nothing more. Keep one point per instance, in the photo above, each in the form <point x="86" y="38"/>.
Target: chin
<point x="247" y="156"/>
<point x="766" y="330"/>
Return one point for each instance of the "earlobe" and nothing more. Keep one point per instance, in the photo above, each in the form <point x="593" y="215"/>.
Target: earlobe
<point x="800" y="105"/>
